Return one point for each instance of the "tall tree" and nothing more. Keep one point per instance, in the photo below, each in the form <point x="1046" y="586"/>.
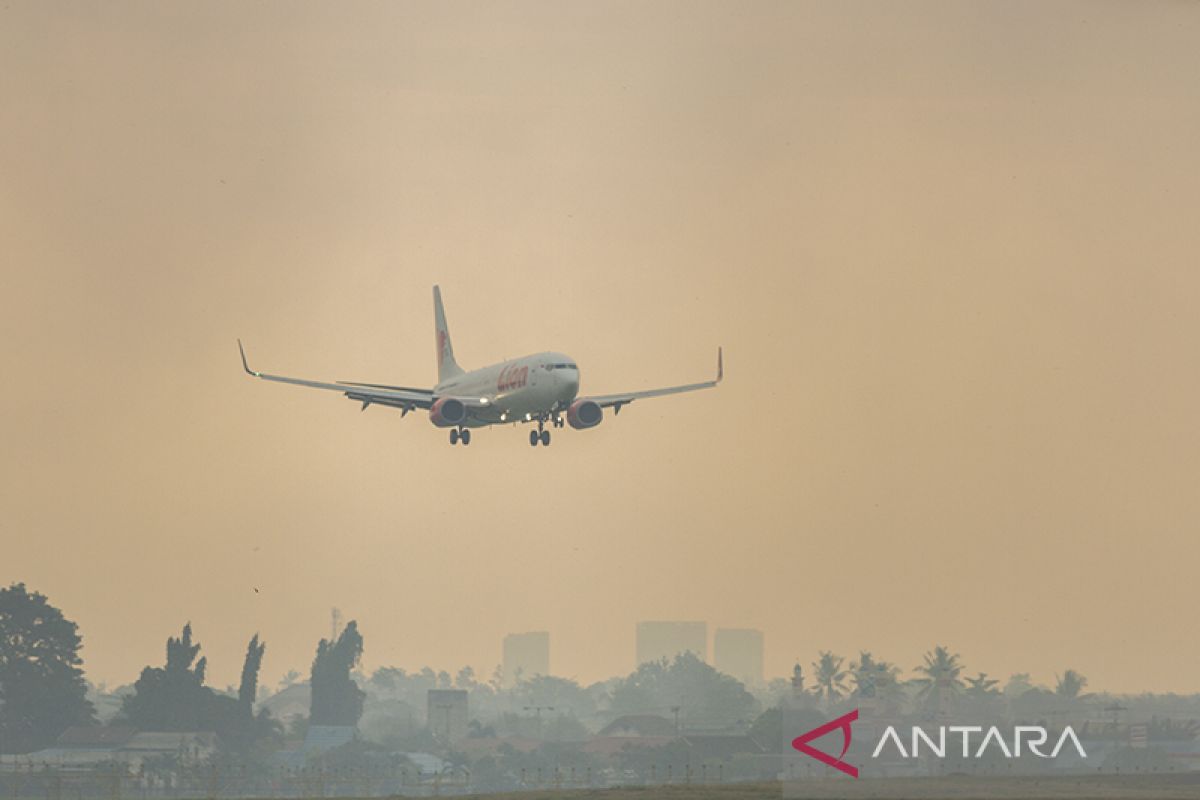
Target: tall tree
<point x="248" y="690"/>
<point x="1070" y="685"/>
<point x="173" y="697"/>
<point x="981" y="687"/>
<point x="872" y="678"/>
<point x="829" y="677"/>
<point x="1018" y="684"/>
<point x="941" y="678"/>
<point x="862" y="672"/>
<point x="336" y="698"/>
<point x="42" y="690"/>
<point x="703" y="696"/>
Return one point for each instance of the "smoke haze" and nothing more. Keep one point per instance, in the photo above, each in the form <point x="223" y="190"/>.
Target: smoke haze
<point x="949" y="250"/>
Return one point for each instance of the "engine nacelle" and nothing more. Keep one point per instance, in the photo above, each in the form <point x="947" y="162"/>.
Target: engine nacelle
<point x="448" y="413"/>
<point x="584" y="414"/>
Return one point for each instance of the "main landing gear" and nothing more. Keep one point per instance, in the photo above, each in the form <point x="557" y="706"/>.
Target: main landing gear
<point x="460" y="435"/>
<point x="540" y="435"/>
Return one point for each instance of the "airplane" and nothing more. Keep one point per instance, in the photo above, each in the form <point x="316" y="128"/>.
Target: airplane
<point x="541" y="388"/>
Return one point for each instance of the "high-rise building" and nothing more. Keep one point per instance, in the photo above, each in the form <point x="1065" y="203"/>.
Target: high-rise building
<point x="659" y="640"/>
<point x="739" y="652"/>
<point x="447" y="714"/>
<point x="525" y="655"/>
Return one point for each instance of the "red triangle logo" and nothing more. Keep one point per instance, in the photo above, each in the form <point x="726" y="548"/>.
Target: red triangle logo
<point x="843" y="723"/>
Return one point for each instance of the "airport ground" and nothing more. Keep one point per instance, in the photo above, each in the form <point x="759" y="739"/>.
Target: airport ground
<point x="1074" y="787"/>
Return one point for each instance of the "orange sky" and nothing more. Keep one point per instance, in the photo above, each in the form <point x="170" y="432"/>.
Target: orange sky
<point x="950" y="251"/>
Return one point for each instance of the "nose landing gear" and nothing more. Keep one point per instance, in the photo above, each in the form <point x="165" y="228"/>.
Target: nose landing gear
<point x="540" y="435"/>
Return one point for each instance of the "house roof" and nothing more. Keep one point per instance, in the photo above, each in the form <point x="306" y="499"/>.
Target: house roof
<point x="476" y="746"/>
<point x="326" y="737"/>
<point x="721" y="746"/>
<point x="70" y="756"/>
<point x="612" y="745"/>
<point x="426" y="763"/>
<point x="639" y="725"/>
<point x="170" y="741"/>
<point x="93" y="736"/>
<point x="295" y="699"/>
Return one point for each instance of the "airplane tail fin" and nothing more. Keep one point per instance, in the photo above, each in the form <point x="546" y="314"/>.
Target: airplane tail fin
<point x="447" y="366"/>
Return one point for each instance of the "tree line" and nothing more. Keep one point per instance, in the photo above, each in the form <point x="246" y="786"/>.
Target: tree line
<point x="43" y="691"/>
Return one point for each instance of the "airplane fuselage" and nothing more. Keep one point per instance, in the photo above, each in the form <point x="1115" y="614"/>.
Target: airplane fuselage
<point x="538" y="384"/>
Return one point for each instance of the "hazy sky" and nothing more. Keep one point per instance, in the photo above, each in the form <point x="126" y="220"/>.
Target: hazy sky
<point x="950" y="250"/>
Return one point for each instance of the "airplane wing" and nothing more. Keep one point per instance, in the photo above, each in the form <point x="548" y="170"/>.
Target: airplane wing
<point x="615" y="401"/>
<point x="402" y="397"/>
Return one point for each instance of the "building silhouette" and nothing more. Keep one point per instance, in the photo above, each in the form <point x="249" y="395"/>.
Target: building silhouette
<point x="739" y="652"/>
<point x="659" y="640"/>
<point x="525" y="656"/>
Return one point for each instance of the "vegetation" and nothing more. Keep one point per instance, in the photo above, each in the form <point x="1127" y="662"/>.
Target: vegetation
<point x="538" y="730"/>
<point x="941" y="678"/>
<point x="174" y="698"/>
<point x="336" y="698"/>
<point x="701" y="695"/>
<point x="42" y="690"/>
<point x="830" y="678"/>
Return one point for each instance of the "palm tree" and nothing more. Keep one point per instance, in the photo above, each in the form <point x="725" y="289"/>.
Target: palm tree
<point x="981" y="687"/>
<point x="830" y="677"/>
<point x="872" y="678"/>
<point x="862" y="672"/>
<point x="1018" y="684"/>
<point x="941" y="672"/>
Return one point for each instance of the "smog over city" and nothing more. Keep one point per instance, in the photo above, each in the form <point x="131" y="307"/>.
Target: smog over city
<point x="818" y="370"/>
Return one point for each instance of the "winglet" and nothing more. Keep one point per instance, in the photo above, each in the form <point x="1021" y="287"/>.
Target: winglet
<point x="720" y="365"/>
<point x="245" y="366"/>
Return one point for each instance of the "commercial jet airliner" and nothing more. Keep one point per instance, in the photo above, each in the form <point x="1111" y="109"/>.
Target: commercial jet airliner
<point x="540" y="388"/>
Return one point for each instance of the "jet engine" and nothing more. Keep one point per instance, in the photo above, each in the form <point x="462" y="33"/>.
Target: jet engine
<point x="584" y="414"/>
<point x="447" y="412"/>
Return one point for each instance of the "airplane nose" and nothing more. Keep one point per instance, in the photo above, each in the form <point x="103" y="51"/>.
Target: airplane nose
<point x="569" y="383"/>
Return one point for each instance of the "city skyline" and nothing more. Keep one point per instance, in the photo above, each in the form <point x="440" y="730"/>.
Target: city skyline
<point x="948" y="250"/>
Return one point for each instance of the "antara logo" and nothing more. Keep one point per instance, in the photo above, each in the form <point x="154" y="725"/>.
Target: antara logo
<point x="1032" y="737"/>
<point x="441" y="336"/>
<point x="842" y="722"/>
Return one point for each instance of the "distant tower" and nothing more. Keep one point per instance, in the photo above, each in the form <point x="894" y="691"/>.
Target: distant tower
<point x="335" y="624"/>
<point x="526" y="655"/>
<point x="447" y="714"/>
<point x="659" y="640"/>
<point x="797" y="681"/>
<point x="739" y="652"/>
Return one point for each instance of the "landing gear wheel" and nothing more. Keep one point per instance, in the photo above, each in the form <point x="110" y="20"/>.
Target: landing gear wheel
<point x="533" y="438"/>
<point x="465" y="436"/>
<point x="545" y="438"/>
<point x="454" y="436"/>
